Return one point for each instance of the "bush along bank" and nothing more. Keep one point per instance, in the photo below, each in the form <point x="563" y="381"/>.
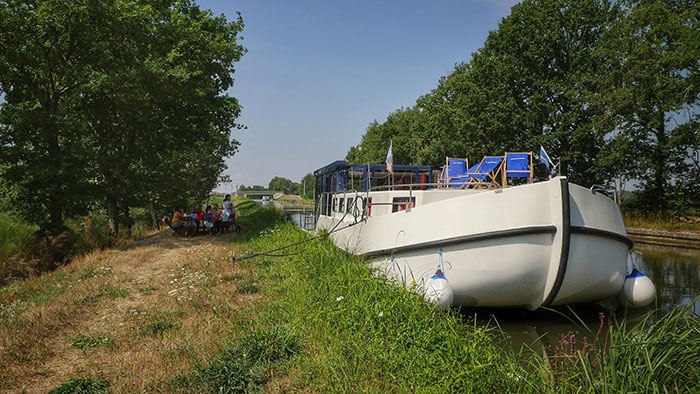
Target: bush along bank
<point x="25" y="252"/>
<point x="359" y="332"/>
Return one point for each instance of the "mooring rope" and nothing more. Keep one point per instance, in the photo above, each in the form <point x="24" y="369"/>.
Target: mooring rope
<point x="333" y="230"/>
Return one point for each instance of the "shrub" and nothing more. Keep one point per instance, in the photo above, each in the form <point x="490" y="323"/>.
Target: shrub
<point x="16" y="236"/>
<point x="93" y="232"/>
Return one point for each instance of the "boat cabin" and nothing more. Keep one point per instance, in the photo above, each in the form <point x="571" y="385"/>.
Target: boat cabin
<point x="353" y="190"/>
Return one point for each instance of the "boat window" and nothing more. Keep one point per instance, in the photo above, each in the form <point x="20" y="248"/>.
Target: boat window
<point x="341" y="205"/>
<point x="350" y="204"/>
<point x="335" y="204"/>
<point x="401" y="203"/>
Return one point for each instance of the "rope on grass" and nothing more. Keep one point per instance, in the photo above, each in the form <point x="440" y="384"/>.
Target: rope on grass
<point x="333" y="230"/>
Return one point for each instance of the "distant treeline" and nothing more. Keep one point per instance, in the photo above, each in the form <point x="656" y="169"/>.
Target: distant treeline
<point x="611" y="89"/>
<point x="112" y="104"/>
<point x="304" y="188"/>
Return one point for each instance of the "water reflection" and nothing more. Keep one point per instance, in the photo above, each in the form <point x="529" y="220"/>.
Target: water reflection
<point x="303" y="215"/>
<point x="675" y="273"/>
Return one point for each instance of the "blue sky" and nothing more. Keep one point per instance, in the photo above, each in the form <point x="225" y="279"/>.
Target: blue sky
<point x="318" y="72"/>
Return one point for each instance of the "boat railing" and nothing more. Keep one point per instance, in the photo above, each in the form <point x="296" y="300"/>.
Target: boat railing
<point x="604" y="189"/>
<point x="328" y="196"/>
<point x="421" y="186"/>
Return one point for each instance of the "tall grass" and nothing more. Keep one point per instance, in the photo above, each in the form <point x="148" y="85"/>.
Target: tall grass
<point x="655" y="355"/>
<point x="16" y="236"/>
<point x="363" y="333"/>
<point x="16" y="239"/>
<point x="660" y="221"/>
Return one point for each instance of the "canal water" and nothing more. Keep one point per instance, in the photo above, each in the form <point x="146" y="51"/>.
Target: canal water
<point x="674" y="271"/>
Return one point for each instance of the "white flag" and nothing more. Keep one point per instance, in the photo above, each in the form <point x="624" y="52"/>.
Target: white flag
<point x="544" y="157"/>
<point x="390" y="159"/>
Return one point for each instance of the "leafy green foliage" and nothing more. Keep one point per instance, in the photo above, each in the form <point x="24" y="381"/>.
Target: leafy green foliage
<point x="610" y="89"/>
<point x="15" y="236"/>
<point x="114" y="102"/>
<point x="16" y="240"/>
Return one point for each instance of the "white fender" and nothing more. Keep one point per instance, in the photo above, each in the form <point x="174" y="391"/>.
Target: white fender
<point x="438" y="291"/>
<point x="638" y="290"/>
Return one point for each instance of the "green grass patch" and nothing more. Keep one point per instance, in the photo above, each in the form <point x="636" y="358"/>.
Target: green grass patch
<point x="148" y="289"/>
<point x="87" y="300"/>
<point x="160" y="326"/>
<point x="248" y="287"/>
<point x="87" y="341"/>
<point x="117" y="293"/>
<point x="361" y="332"/>
<point x="232" y="278"/>
<point x="241" y="367"/>
<point x="82" y="386"/>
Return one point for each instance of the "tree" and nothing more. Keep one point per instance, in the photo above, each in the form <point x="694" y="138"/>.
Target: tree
<point x="652" y="78"/>
<point x="48" y="51"/>
<point x="284" y="185"/>
<point x="307" y="186"/>
<point x="535" y="79"/>
<point x="115" y="101"/>
<point x="531" y="84"/>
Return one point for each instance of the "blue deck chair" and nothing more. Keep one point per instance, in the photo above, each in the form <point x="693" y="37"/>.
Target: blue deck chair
<point x="488" y="174"/>
<point x="518" y="165"/>
<point x="454" y="173"/>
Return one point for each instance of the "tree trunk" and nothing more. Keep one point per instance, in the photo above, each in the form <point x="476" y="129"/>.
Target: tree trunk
<point x="126" y="215"/>
<point x="620" y="188"/>
<point x="154" y="215"/>
<point x="54" y="161"/>
<point x="660" y="165"/>
<point x="113" y="214"/>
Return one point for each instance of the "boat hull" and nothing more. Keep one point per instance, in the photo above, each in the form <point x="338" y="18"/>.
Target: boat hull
<point x="542" y="244"/>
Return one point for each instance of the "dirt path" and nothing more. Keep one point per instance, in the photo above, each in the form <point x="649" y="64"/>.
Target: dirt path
<point x="136" y="317"/>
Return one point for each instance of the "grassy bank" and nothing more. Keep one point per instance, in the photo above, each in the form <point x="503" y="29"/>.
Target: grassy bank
<point x="169" y="314"/>
<point x="661" y="221"/>
<point x="24" y="252"/>
<point x="361" y="332"/>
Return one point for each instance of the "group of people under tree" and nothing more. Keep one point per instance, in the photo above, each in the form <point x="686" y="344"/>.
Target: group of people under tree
<point x="212" y="219"/>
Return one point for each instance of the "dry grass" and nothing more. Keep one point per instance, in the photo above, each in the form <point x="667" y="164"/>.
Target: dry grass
<point x="661" y="222"/>
<point x="164" y="301"/>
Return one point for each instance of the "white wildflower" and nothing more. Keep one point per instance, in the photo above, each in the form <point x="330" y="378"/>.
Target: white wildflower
<point x="381" y="313"/>
<point x="339" y="298"/>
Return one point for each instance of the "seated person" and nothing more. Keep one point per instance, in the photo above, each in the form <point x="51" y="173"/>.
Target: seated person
<point x="176" y="222"/>
<point x="208" y="220"/>
<point x="216" y="217"/>
<point x="190" y="226"/>
<point x="198" y="214"/>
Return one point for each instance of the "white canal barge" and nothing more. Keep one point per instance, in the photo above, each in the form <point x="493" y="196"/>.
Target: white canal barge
<point x="528" y="245"/>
